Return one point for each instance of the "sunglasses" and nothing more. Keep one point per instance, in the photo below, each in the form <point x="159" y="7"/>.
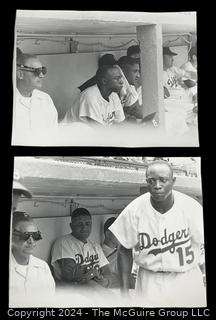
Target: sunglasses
<point x="36" y="71"/>
<point x="24" y="236"/>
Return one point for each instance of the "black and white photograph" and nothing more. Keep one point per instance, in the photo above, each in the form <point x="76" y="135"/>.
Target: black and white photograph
<point x="109" y="231"/>
<point x="105" y="78"/>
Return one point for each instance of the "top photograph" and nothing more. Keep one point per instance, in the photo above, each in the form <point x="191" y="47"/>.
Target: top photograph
<point x="105" y="78"/>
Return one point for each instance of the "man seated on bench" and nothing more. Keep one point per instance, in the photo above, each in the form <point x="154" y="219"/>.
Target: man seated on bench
<point x="77" y="261"/>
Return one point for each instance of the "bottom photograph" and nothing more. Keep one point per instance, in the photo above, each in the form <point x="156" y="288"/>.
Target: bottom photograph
<point x="109" y="231"/>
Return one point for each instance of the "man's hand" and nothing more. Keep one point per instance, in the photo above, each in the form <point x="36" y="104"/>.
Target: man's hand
<point x="104" y="282"/>
<point x="90" y="273"/>
<point x="125" y="261"/>
<point x="96" y="275"/>
<point x="80" y="273"/>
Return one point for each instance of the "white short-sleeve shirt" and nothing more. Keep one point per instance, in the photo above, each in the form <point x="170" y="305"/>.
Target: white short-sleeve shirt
<point x="35" y="118"/>
<point x="171" y="77"/>
<point x="37" y="111"/>
<point x="187" y="66"/>
<point x="131" y="96"/>
<point x="94" y="106"/>
<point x="128" y="93"/>
<point x="32" y="279"/>
<point x="89" y="254"/>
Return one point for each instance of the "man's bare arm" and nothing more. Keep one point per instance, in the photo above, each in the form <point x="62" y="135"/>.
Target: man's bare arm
<point x="125" y="261"/>
<point x="74" y="272"/>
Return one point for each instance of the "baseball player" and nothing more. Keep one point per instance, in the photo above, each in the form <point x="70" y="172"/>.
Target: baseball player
<point x="165" y="227"/>
<point x="77" y="261"/>
<point x="18" y="190"/>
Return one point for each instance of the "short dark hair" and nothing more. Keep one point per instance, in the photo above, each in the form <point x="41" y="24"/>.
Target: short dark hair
<point x="80" y="212"/>
<point x="133" y="50"/>
<point x="108" y="223"/>
<point x="107" y="59"/>
<point x="102" y="71"/>
<point x="20" y="216"/>
<point x="125" y="61"/>
<point x="160" y="162"/>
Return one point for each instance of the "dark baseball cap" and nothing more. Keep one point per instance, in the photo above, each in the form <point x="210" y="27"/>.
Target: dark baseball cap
<point x="107" y="59"/>
<point x="166" y="50"/>
<point x="108" y="223"/>
<point x="133" y="50"/>
<point x="18" y="186"/>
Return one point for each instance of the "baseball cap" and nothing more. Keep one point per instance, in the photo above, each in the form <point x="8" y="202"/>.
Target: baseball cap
<point x="166" y="50"/>
<point x="133" y="50"/>
<point x="17" y="185"/>
<point x="107" y="59"/>
<point x="108" y="223"/>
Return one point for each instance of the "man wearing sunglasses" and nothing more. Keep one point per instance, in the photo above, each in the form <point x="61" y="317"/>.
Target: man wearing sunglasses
<point x="33" y="109"/>
<point x="30" y="277"/>
<point x="166" y="229"/>
<point x="100" y="104"/>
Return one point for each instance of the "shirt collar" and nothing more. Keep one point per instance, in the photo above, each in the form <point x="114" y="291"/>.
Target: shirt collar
<point x="25" y="101"/>
<point x="79" y="241"/>
<point x="19" y="95"/>
<point x="33" y="262"/>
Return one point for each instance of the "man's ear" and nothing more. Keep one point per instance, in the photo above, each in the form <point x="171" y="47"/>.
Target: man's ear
<point x="71" y="225"/>
<point x="19" y="74"/>
<point x="174" y="180"/>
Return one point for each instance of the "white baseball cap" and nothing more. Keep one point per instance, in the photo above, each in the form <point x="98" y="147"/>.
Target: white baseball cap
<point x="17" y="185"/>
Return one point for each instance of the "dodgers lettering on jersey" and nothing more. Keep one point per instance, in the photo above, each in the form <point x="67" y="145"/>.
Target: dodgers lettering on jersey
<point x="170" y="79"/>
<point x="176" y="243"/>
<point x="172" y="82"/>
<point x="87" y="254"/>
<point x="110" y="117"/>
<point x="169" y="241"/>
<point x="166" y="242"/>
<point x="89" y="260"/>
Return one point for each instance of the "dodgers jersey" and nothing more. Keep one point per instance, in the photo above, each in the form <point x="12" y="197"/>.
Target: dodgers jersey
<point x="171" y="77"/>
<point x="94" y="106"/>
<point x="163" y="242"/>
<point x="89" y="254"/>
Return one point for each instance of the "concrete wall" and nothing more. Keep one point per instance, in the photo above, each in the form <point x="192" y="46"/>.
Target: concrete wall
<point x="65" y="73"/>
